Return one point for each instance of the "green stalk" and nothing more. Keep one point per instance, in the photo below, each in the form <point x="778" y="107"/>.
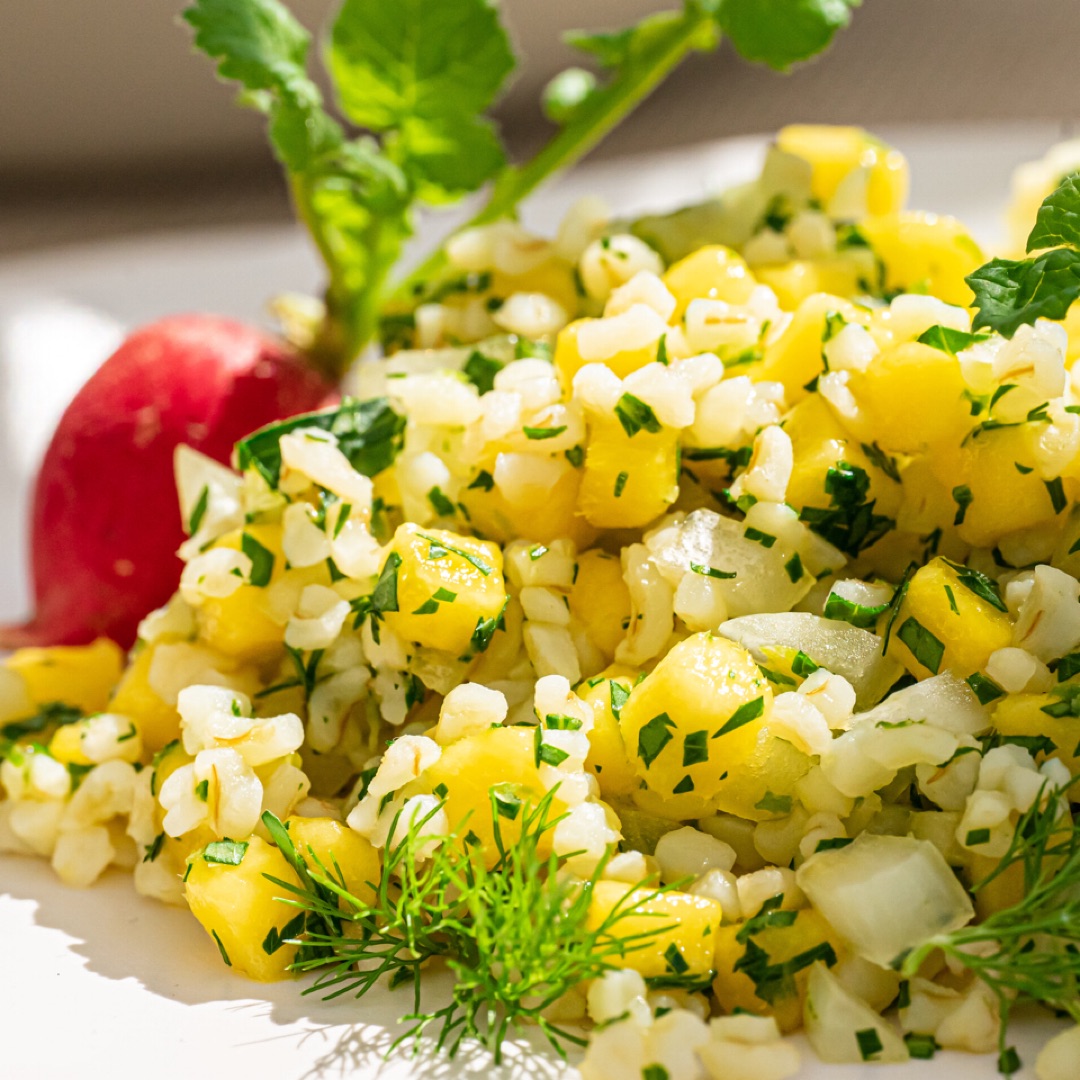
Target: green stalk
<point x="577" y="138"/>
<point x="331" y="351"/>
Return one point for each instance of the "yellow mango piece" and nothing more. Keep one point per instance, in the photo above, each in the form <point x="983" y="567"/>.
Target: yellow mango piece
<point x="736" y="990"/>
<point x="1022" y="714"/>
<point x="963" y="627"/>
<point x="927" y="503"/>
<point x="923" y="252"/>
<point x="629" y="480"/>
<point x="676" y="922"/>
<point x="692" y="724"/>
<point x="608" y="760"/>
<point x="795" y="358"/>
<point x="446" y="585"/>
<point x="158" y="721"/>
<point x="470" y="767"/>
<point x="338" y="847"/>
<point x="496" y="517"/>
<point x="998" y="497"/>
<point x="834" y="152"/>
<point x="553" y="278"/>
<point x="763" y="784"/>
<point x="819" y="444"/>
<point x="82" y="676"/>
<point x="239" y="909"/>
<point x="600" y="600"/>
<point x="912" y="398"/>
<point x="710" y="273"/>
<point x="568" y="360"/>
<point x="798" y="279"/>
<point x="243" y="624"/>
<point x="503" y="651"/>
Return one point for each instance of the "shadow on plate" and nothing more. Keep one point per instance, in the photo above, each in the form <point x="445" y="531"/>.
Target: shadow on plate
<point x="121" y="935"/>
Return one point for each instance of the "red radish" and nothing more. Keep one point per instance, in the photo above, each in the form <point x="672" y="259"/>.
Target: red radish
<point x="106" y="522"/>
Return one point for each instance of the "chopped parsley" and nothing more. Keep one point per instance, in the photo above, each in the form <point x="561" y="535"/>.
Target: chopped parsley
<point x="695" y="748"/>
<point x="711" y="571"/>
<point x="538" y="434"/>
<point x="634" y="415"/>
<point x="926" y="648"/>
<point x="199" y="510"/>
<point x="653" y="737"/>
<point x="442" y="506"/>
<point x="744" y="714"/>
<point x="225" y="852"/>
<point x="262" y="559"/>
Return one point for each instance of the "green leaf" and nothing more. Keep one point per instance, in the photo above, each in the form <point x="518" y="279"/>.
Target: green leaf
<point x="1058" y="220"/>
<point x="225" y="852"/>
<point x="653" y="737"/>
<point x="259" y="44"/>
<point x="948" y="340"/>
<point x="844" y="610"/>
<point x="49" y="716"/>
<point x="262" y="559"/>
<point x="634" y="415"/>
<point x="452" y="158"/>
<point x="424" y="73"/>
<point x="746" y="712"/>
<point x="783" y="32"/>
<point x="481" y="370"/>
<point x="924" y="646"/>
<point x="977" y="582"/>
<point x="1010" y="293"/>
<point x="619" y="697"/>
<point x="370" y="434"/>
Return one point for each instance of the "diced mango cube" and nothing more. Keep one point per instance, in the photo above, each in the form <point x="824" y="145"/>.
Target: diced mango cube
<point x="629" y="480"/>
<point x="502" y="757"/>
<point x="1023" y="714"/>
<point x="795" y="358"/>
<point x="158" y="721"/>
<point x="239" y="908"/>
<point x="681" y="928"/>
<point x="496" y="517"/>
<point x="912" y="398"/>
<point x="568" y="360"/>
<point x="692" y="724"/>
<point x="82" y="676"/>
<point x="600" y="600"/>
<point x="338" y="848"/>
<point x="446" y="586"/>
<point x="958" y="622"/>
<point x="710" y="273"/>
<point x="923" y="252"/>
<point x="799" y="279"/>
<point x="995" y="486"/>
<point x="736" y="989"/>
<point x="834" y="152"/>
<point x="608" y="760"/>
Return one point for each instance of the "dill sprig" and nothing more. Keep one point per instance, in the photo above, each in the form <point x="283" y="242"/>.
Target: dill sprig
<point x="1029" y="952"/>
<point x="516" y="935"/>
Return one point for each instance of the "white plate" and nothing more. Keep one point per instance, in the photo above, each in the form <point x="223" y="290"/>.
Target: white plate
<point x="103" y="983"/>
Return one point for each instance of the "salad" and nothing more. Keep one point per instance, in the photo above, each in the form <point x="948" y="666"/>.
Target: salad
<point x="675" y="636"/>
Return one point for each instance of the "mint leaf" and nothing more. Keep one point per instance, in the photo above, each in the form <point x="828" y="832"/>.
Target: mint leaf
<point x="1011" y="293"/>
<point x="1058" y="221"/>
<point x="423" y="73"/>
<point x="783" y="32"/>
